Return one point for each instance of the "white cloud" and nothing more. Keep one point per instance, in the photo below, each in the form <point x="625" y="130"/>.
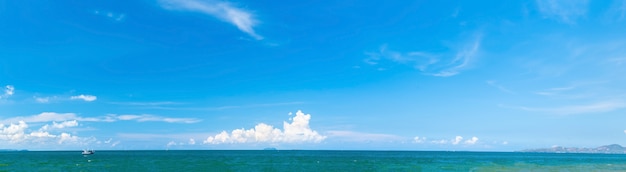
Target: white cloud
<point x="13" y="132"/>
<point x="65" y="124"/>
<point x="457" y="140"/>
<point x="65" y="137"/>
<point x="42" y="134"/>
<point x="9" y="90"/>
<point x="418" y="139"/>
<point x="471" y="141"/>
<point x="44" y="117"/>
<point x="171" y="143"/>
<point x="565" y="11"/>
<point x="21" y="134"/>
<point x="115" y="143"/>
<point x="297" y="131"/>
<point x="192" y="141"/>
<point x="88" y="98"/>
<point x="597" y="107"/>
<point x="222" y="10"/>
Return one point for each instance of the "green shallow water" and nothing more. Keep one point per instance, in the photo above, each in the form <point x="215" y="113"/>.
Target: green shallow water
<point x="213" y="160"/>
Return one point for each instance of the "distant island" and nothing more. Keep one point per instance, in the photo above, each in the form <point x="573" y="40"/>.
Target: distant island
<point x="607" y="149"/>
<point x="270" y="148"/>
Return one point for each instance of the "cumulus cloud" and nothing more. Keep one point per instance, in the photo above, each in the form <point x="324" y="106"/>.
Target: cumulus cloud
<point x="88" y="98"/>
<point x="192" y="142"/>
<point x="225" y="11"/>
<point x="456" y="140"/>
<point x="297" y="131"/>
<point x="20" y="133"/>
<point x="471" y="141"/>
<point x="13" y="132"/>
<point x="565" y="11"/>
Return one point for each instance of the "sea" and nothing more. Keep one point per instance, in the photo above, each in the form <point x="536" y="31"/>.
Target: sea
<point x="306" y="160"/>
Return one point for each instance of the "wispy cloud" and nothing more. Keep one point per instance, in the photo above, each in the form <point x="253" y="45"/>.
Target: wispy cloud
<point x="499" y="87"/>
<point x="419" y="60"/>
<point x="461" y="60"/>
<point x="597" y="107"/>
<point x="145" y="103"/>
<point x="565" y="11"/>
<point x="153" y="118"/>
<point x="621" y="10"/>
<point x="554" y="91"/>
<point x="87" y="98"/>
<point x="455" y="141"/>
<point x="434" y="64"/>
<point x="42" y="99"/>
<point x="118" y="17"/>
<point x="225" y="11"/>
<point x="296" y="131"/>
<point x="217" y="108"/>
<point x="52" y="116"/>
<point x="354" y="136"/>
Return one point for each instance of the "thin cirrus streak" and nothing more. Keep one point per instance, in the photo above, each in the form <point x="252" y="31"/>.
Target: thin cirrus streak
<point x="225" y="11"/>
<point x="564" y="11"/>
<point x="52" y="116"/>
<point x="575" y="109"/>
<point x="430" y="63"/>
<point x="218" y="108"/>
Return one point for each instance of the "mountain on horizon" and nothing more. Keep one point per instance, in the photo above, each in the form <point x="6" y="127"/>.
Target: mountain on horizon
<point x="607" y="149"/>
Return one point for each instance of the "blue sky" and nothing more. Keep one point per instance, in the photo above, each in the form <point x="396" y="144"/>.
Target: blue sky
<point x="404" y="75"/>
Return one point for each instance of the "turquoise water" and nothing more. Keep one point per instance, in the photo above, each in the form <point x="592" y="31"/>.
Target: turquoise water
<point x="213" y="160"/>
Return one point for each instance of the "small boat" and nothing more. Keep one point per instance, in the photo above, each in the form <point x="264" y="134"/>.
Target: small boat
<point x="88" y="152"/>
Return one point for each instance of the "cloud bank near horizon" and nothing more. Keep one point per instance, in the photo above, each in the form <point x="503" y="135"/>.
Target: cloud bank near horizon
<point x="296" y="131"/>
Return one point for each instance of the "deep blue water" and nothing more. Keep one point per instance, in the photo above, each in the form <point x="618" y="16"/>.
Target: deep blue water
<point x="249" y="160"/>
